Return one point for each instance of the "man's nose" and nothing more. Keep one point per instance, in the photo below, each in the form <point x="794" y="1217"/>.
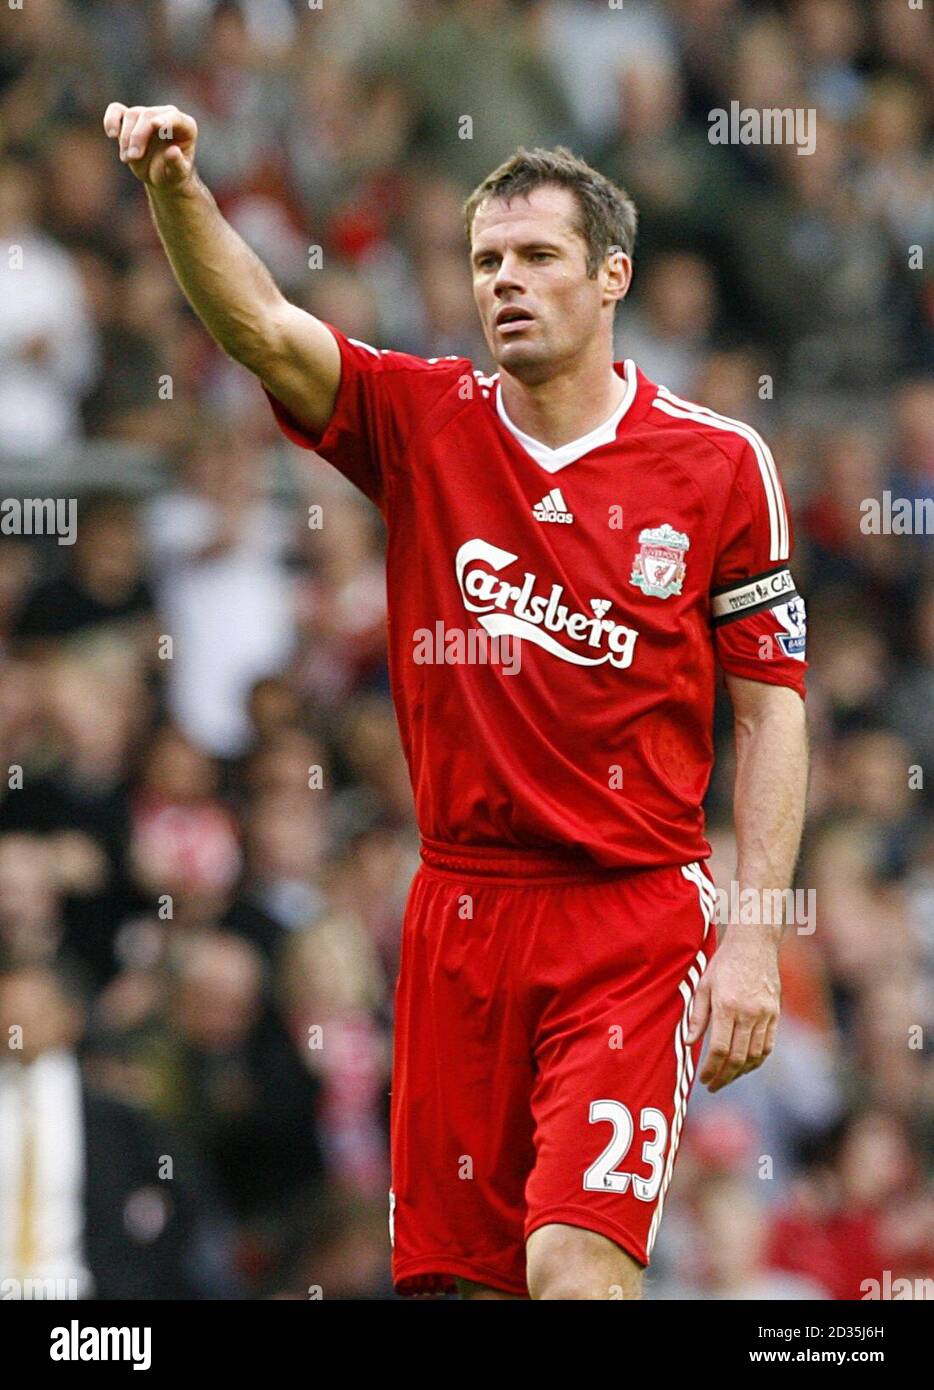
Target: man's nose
<point x="507" y="276"/>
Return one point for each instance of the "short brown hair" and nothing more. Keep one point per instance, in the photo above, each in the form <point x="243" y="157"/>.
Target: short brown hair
<point x="608" y="215"/>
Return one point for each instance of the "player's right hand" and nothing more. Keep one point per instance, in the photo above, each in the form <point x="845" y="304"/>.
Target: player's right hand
<point x="157" y="142"/>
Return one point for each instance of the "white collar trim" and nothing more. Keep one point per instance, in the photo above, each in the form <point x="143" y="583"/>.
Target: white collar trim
<point x="552" y="460"/>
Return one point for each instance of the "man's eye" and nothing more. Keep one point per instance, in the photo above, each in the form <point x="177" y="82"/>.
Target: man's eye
<point x="542" y="255"/>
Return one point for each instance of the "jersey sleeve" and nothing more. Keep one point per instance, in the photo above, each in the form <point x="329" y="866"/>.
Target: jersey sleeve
<point x="381" y="398"/>
<point x="758" y="616"/>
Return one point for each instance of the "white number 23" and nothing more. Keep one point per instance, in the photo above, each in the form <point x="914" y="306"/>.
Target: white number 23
<point x="602" y="1175"/>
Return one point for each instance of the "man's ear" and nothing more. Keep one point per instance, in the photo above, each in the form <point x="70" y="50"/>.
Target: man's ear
<point x="618" y="272"/>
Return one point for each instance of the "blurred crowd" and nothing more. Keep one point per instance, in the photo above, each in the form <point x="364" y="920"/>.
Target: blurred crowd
<point x="206" y="832"/>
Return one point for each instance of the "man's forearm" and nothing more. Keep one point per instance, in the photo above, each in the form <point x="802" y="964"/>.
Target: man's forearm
<point x="295" y="355"/>
<point x="225" y="282"/>
<point x="770" y="792"/>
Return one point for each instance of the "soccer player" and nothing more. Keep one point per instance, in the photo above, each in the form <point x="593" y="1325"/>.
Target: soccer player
<point x="559" y="962"/>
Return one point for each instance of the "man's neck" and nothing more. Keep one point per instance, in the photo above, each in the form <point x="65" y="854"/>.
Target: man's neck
<point x="567" y="406"/>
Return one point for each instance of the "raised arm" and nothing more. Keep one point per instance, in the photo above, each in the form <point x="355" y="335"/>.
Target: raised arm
<point x="227" y="285"/>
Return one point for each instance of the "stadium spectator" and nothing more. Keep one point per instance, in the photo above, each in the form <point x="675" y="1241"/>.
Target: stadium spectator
<point x="86" y="1200"/>
<point x="217" y="548"/>
<point x="101" y="597"/>
<point x="48" y="340"/>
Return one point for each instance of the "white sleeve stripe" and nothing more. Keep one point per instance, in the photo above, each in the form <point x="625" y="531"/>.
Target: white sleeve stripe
<point x="366" y="346"/>
<point x="763" y="454"/>
<point x="778" y="522"/>
<point x="776" y="549"/>
<point x="778" y="518"/>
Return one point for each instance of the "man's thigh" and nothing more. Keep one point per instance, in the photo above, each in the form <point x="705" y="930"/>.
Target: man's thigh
<point x="461" y="1094"/>
<point x="613" y="1069"/>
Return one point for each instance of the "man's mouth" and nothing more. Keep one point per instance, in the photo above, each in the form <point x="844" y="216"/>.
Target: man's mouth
<point x="511" y="318"/>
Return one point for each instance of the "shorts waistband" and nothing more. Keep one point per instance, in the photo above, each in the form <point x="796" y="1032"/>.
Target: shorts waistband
<point x="492" y="861"/>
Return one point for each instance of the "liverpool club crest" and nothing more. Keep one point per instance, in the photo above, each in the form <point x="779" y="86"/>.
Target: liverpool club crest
<point x="659" y="566"/>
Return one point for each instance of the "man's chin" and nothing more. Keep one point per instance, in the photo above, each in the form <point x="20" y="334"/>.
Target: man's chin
<point x="520" y="359"/>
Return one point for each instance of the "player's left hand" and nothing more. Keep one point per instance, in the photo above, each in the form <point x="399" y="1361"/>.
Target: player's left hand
<point x="740" y="997"/>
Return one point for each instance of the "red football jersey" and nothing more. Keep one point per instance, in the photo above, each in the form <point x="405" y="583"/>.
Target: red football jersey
<point x="555" y="614"/>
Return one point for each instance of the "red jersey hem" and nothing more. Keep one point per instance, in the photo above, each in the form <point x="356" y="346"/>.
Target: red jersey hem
<point x="496" y="863"/>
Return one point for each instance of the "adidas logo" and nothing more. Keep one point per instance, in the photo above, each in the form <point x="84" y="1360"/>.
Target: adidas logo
<point x="552" y="507"/>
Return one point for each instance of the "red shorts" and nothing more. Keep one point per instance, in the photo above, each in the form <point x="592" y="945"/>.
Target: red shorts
<point x="540" y="1068"/>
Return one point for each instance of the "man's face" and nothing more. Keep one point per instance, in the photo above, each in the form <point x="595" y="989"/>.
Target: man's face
<point x="538" y="307"/>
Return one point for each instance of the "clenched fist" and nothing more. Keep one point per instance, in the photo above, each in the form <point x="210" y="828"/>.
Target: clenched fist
<point x="158" y="142"/>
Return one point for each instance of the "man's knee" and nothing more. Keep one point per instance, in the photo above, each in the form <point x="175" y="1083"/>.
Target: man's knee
<point x="568" y="1262"/>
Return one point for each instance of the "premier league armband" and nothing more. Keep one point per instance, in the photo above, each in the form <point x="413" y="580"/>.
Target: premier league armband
<point x="748" y="596"/>
<point x="760" y="626"/>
